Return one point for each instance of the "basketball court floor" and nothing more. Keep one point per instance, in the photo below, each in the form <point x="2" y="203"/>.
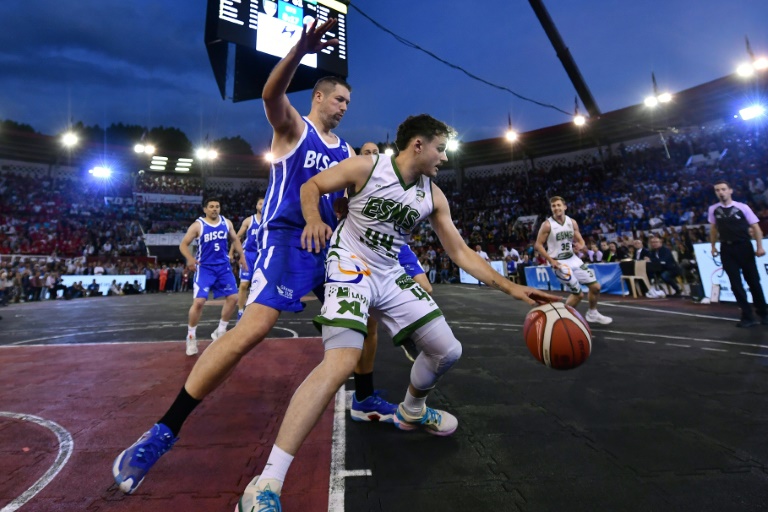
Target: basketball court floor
<point x="670" y="413"/>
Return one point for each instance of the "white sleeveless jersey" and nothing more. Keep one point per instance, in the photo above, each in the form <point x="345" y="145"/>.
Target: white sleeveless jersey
<point x="383" y="214"/>
<point x="560" y="241"/>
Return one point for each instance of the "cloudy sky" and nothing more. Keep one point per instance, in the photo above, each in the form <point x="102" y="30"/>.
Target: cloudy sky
<point x="144" y="62"/>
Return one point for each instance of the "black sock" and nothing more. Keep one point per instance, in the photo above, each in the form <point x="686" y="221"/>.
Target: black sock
<point x="180" y="409"/>
<point x="363" y="385"/>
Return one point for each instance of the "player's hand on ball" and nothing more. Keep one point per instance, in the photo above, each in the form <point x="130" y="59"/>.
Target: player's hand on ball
<point x="316" y="234"/>
<point x="535" y="297"/>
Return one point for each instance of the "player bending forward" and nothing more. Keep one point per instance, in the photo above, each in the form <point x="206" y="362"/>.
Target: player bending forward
<point x="387" y="199"/>
<point x="562" y="236"/>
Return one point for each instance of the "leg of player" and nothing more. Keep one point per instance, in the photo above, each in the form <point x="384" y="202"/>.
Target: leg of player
<point x="408" y="346"/>
<point x="242" y="296"/>
<point x="195" y="312"/>
<point x="367" y="403"/>
<point x="307" y="405"/>
<point x="230" y="303"/>
<point x="439" y="352"/>
<point x="214" y="365"/>
<point x="593" y="315"/>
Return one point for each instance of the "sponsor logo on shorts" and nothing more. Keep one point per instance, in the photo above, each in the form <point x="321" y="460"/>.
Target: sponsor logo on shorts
<point x="405" y="281"/>
<point x="284" y="291"/>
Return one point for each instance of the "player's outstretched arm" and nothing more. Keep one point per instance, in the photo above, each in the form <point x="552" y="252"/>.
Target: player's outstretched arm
<point x="351" y="173"/>
<point x="284" y="118"/>
<point x="468" y="259"/>
<point x="192" y="233"/>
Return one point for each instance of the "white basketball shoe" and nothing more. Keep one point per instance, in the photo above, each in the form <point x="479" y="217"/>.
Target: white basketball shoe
<point x="594" y="317"/>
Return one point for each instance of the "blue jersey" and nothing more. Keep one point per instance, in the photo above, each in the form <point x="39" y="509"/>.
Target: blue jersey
<point x="212" y="248"/>
<point x="251" y="243"/>
<point x="282" y="222"/>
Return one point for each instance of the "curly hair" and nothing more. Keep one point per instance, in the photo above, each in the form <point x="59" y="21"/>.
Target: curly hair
<point x="422" y="124"/>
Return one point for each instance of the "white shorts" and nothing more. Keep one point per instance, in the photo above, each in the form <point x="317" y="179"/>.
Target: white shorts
<point x="353" y="290"/>
<point x="573" y="273"/>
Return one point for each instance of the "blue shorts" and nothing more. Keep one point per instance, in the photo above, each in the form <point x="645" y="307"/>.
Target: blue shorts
<point x="284" y="274"/>
<point x="250" y="259"/>
<point x="410" y="262"/>
<point x="218" y="279"/>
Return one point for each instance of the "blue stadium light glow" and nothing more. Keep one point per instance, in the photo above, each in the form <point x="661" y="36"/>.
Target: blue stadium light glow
<point x="100" y="172"/>
<point x="752" y="112"/>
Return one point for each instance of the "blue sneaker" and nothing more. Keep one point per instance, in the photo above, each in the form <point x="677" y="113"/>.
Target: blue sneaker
<point x="258" y="500"/>
<point x="373" y="408"/>
<point x="131" y="466"/>
<point x="434" y="421"/>
<point x="239" y="315"/>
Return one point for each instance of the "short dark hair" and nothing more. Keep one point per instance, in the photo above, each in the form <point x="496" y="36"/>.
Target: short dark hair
<point x="422" y="124"/>
<point x="210" y="199"/>
<point x="556" y="198"/>
<point x="329" y="83"/>
<point x="722" y="182"/>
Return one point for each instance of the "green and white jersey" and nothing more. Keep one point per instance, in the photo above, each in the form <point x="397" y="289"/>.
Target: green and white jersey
<point x="383" y="214"/>
<point x="560" y="241"/>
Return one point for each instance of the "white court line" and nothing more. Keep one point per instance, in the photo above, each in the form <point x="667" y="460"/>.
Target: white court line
<point x="678" y="345"/>
<point x="742" y="353"/>
<point x="714" y="349"/>
<point x="645" y="341"/>
<point x="294" y="334"/>
<point x="665" y="311"/>
<point x="336" y="485"/>
<point x="66" y="447"/>
<point x="611" y="338"/>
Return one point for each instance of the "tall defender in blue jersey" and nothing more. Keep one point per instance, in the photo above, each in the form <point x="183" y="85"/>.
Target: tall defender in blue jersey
<point x="250" y="230"/>
<point x="303" y="147"/>
<point x="213" y="271"/>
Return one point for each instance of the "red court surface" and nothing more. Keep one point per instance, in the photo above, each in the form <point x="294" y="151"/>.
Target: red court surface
<point x="106" y="396"/>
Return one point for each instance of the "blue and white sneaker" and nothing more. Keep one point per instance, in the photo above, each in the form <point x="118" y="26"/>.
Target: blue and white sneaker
<point x="131" y="466"/>
<point x="373" y="408"/>
<point x="434" y="421"/>
<point x="259" y="500"/>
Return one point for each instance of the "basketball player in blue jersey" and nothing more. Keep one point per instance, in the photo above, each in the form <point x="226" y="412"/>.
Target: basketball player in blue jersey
<point x="303" y="147"/>
<point x="213" y="272"/>
<point x="250" y="229"/>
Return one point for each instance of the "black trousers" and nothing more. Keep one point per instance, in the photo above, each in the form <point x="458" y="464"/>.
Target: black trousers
<point x="739" y="258"/>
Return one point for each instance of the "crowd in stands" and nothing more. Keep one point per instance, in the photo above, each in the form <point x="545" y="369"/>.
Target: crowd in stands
<point x="617" y="201"/>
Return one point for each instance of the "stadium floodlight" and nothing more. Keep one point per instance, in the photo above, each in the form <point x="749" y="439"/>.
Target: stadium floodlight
<point x="664" y="97"/>
<point x="269" y="156"/>
<point x="138" y="148"/>
<point x="389" y="151"/>
<point x="511" y="135"/>
<point x="100" y="172"/>
<point x="212" y="154"/>
<point x="201" y="153"/>
<point x="745" y="70"/>
<point x="760" y="64"/>
<point x="452" y="145"/>
<point x="752" y="112"/>
<point x="579" y="120"/>
<point x="69" y="139"/>
<point x="651" y="101"/>
<point x="149" y="149"/>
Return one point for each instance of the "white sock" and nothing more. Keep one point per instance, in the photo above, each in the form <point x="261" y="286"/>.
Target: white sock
<point x="277" y="466"/>
<point x="192" y="331"/>
<point x="223" y="325"/>
<point x="412" y="405"/>
<point x="241" y="310"/>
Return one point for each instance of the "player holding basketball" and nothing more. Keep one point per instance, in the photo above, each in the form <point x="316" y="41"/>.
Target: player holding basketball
<point x="283" y="272"/>
<point x="388" y="198"/>
<point x="563" y="238"/>
<point x="213" y="271"/>
<point x="250" y="229"/>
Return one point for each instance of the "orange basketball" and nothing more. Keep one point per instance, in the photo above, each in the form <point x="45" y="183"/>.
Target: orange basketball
<point x="558" y="336"/>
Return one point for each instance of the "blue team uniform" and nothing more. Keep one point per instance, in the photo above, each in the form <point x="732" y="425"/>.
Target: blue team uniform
<point x="214" y="273"/>
<point x="410" y="262"/>
<point x="284" y="272"/>
<point x="251" y="248"/>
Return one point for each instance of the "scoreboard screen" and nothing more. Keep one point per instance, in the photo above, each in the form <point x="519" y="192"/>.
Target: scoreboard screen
<point x="272" y="27"/>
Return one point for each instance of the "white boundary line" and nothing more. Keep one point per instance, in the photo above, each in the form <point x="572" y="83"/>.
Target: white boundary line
<point x="665" y="311"/>
<point x="66" y="447"/>
<point x="336" y="484"/>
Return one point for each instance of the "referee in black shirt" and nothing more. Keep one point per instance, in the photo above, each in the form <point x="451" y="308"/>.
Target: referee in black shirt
<point x="731" y="220"/>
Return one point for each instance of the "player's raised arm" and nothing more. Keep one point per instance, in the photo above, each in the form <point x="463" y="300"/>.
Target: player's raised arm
<point x="192" y="234"/>
<point x="284" y="118"/>
<point x="351" y="173"/>
<point x="469" y="260"/>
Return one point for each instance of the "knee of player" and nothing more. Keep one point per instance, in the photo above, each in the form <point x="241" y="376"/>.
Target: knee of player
<point x="595" y="287"/>
<point x="452" y="354"/>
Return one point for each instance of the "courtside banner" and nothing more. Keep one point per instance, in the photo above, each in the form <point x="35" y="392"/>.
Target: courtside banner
<point x="607" y="274"/>
<point x="714" y="278"/>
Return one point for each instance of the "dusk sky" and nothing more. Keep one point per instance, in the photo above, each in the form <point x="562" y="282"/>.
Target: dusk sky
<point x="144" y="62"/>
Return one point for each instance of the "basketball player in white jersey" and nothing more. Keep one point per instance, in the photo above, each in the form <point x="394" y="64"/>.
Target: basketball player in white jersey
<point x="563" y="238"/>
<point x="387" y="199"/>
<point x="250" y="230"/>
